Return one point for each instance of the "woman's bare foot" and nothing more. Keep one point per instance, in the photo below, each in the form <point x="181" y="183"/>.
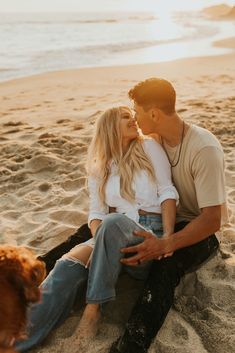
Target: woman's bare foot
<point x="88" y="325"/>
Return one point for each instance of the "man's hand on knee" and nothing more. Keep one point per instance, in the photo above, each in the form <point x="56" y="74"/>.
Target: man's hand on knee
<point x="151" y="248"/>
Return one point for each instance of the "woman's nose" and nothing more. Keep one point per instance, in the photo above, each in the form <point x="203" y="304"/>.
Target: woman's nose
<point x="132" y="121"/>
<point x="132" y="117"/>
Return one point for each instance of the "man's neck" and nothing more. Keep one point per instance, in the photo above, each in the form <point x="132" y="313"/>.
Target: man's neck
<point x="171" y="133"/>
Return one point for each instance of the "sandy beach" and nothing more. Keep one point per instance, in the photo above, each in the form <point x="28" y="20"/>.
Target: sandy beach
<point x="46" y="125"/>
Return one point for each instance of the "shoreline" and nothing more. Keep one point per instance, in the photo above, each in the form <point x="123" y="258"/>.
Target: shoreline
<point x="122" y="68"/>
<point x="227" y="44"/>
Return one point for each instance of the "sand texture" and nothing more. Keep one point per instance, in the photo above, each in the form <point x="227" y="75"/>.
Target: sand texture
<point x="45" y="127"/>
<point x="220" y="12"/>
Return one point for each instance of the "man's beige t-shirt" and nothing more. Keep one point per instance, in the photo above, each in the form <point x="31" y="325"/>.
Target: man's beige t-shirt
<point x="199" y="175"/>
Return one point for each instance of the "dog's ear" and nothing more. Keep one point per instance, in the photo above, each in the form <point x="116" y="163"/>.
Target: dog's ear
<point x="28" y="281"/>
<point x="36" y="275"/>
<point x="38" y="272"/>
<point x="31" y="294"/>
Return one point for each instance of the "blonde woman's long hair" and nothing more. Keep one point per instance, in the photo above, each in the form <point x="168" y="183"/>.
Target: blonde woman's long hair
<point x="106" y="146"/>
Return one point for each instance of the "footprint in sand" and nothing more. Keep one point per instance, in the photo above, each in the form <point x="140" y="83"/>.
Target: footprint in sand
<point x="182" y="110"/>
<point x="18" y="159"/>
<point x="11" y="215"/>
<point x="44" y="187"/>
<point x="47" y="135"/>
<point x="41" y="163"/>
<point x="18" y="178"/>
<point x="71" y="185"/>
<point x="52" y="141"/>
<point x="62" y="121"/>
<point x="14" y="167"/>
<point x="18" y="108"/>
<point x="72" y="218"/>
<point x="14" y="123"/>
<point x="13" y="131"/>
<point x="78" y="126"/>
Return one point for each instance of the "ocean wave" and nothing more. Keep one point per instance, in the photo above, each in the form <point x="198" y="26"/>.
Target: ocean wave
<point x="72" y="19"/>
<point x="104" y="48"/>
<point x="117" y="20"/>
<point x="5" y="69"/>
<point x="196" y="32"/>
<point x="120" y="47"/>
<point x="42" y="22"/>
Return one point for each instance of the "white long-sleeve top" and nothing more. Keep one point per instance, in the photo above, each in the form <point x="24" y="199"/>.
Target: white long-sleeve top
<point x="148" y="194"/>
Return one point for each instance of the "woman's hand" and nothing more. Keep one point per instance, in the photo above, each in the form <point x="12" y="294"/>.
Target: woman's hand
<point x="152" y="248"/>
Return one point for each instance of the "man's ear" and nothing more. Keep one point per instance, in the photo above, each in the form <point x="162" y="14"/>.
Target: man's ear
<point x="154" y="114"/>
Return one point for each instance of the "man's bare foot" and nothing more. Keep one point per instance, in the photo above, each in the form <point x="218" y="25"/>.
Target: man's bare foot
<point x="88" y="326"/>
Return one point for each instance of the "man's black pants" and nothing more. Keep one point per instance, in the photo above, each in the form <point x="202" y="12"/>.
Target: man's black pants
<point x="157" y="297"/>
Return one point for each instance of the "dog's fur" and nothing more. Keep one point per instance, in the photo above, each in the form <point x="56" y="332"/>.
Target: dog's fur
<point x="20" y="275"/>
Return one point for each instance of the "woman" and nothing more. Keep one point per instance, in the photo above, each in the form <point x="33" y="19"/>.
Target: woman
<point x="132" y="175"/>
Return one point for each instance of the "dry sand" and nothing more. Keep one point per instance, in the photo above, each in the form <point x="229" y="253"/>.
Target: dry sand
<point x="225" y="43"/>
<point x="220" y="12"/>
<point x="46" y="125"/>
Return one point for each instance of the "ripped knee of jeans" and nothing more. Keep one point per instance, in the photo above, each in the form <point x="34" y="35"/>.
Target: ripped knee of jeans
<point x="79" y="254"/>
<point x="74" y="259"/>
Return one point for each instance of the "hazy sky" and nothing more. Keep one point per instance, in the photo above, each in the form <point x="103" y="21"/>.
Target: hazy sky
<point x="104" y="5"/>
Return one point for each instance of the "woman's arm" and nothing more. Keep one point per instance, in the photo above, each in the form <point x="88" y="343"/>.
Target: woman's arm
<point x="168" y="195"/>
<point x="94" y="224"/>
<point x="97" y="211"/>
<point x="168" y="219"/>
<point x="168" y="216"/>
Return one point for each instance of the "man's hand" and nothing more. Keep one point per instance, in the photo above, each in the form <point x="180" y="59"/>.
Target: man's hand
<point x="151" y="248"/>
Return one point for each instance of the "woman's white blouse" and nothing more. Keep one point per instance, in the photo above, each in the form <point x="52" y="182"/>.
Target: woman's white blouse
<point x="148" y="195"/>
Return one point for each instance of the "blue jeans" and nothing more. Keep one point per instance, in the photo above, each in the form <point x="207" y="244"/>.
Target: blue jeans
<point x="60" y="288"/>
<point x="116" y="232"/>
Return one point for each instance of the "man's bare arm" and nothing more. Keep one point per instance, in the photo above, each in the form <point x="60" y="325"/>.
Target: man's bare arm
<point x="207" y="223"/>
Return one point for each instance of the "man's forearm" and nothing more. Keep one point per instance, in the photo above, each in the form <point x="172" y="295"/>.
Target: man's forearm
<point x="154" y="248"/>
<point x="198" y="229"/>
<point x="168" y="216"/>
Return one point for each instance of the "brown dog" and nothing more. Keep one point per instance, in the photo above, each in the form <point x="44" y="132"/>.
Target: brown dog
<point x="20" y="275"/>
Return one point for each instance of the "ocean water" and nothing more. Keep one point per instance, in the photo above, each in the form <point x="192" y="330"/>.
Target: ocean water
<point x="36" y="43"/>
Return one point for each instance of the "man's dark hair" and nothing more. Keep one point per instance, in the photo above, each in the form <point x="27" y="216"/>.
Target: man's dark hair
<point x="154" y="92"/>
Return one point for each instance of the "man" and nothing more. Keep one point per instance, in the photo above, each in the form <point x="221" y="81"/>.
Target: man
<point x="197" y="162"/>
